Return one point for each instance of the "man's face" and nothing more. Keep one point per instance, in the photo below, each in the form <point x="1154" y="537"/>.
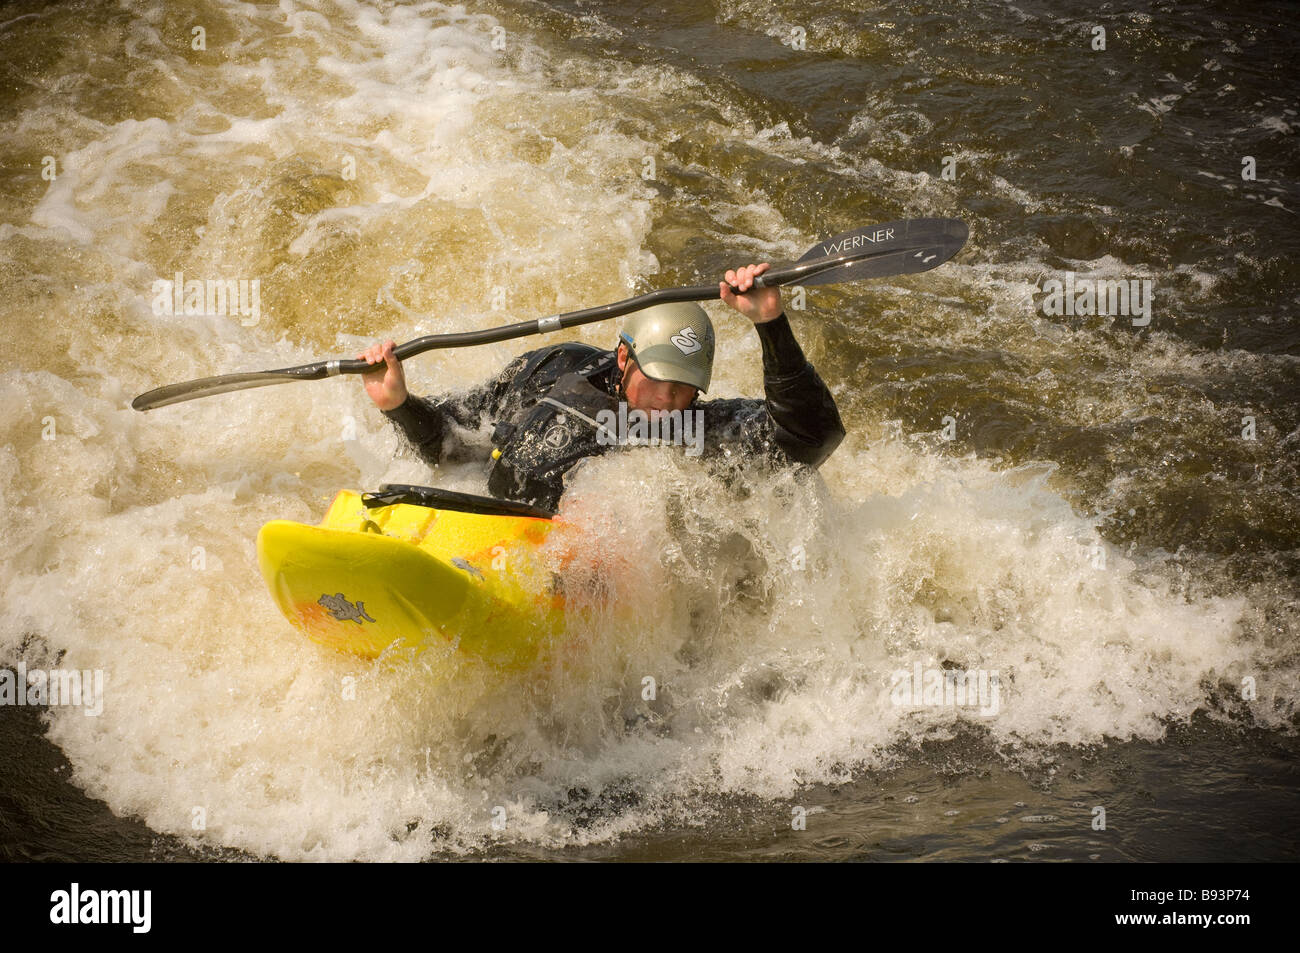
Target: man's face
<point x="650" y="395"/>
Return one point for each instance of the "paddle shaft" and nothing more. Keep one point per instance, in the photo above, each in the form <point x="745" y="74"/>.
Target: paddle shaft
<point x="573" y="319"/>
<point x="910" y="246"/>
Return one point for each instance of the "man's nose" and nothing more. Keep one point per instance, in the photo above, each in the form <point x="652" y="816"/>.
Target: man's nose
<point x="661" y="395"/>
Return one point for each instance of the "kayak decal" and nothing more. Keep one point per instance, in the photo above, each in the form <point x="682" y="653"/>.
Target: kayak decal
<point x="464" y="565"/>
<point x="341" y="609"/>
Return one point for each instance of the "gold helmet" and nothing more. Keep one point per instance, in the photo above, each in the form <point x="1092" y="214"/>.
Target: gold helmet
<point x="672" y="342"/>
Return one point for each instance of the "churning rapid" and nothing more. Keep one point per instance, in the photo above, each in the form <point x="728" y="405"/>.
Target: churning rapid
<point x="1098" y="514"/>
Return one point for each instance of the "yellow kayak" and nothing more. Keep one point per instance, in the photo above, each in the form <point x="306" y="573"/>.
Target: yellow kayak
<point x="402" y="568"/>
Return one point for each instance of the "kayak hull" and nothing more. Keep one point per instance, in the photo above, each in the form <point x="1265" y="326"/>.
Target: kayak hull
<point x="367" y="580"/>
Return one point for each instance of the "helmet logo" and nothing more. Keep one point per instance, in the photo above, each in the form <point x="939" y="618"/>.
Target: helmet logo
<point x="686" y="341"/>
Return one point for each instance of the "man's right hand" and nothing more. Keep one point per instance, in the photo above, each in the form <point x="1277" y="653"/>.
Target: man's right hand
<point x="385" y="384"/>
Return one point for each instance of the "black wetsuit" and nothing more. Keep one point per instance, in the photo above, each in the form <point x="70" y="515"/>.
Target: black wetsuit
<point x="545" y="406"/>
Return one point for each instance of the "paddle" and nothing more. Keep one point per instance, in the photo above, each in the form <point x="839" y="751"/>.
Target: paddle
<point x="877" y="251"/>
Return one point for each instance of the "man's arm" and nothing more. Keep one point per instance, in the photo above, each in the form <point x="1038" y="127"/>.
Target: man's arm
<point x="806" y="422"/>
<point x="427" y="422"/>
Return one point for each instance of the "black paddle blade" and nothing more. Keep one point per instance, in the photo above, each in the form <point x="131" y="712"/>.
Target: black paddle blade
<point x="891" y="248"/>
<point x="207" y="386"/>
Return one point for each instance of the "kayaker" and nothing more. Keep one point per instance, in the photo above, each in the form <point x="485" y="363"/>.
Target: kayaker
<point x="553" y="407"/>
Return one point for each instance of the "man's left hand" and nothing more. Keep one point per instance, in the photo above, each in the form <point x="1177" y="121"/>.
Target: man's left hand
<point x="760" y="305"/>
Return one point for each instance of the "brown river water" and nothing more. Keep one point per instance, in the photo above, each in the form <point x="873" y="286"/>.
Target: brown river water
<point x="1098" y="505"/>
